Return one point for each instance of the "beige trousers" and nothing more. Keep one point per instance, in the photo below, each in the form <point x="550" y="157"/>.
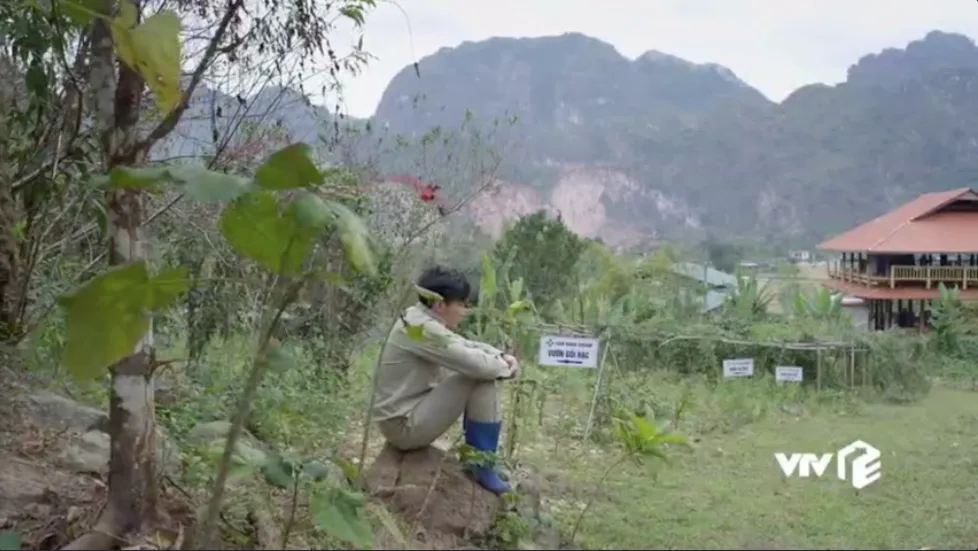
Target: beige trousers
<point x="441" y="408"/>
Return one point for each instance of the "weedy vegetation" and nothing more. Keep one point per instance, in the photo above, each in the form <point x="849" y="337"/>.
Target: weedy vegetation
<point x="226" y="316"/>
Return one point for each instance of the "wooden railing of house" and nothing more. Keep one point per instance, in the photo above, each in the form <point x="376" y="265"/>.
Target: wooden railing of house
<point x="930" y="276"/>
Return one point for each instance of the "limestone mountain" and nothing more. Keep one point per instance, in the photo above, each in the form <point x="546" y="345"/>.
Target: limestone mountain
<point x="630" y="149"/>
<point x="576" y="98"/>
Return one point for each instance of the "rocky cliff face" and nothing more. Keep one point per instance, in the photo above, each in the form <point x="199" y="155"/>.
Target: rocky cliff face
<point x="579" y="197"/>
<point x="630" y="150"/>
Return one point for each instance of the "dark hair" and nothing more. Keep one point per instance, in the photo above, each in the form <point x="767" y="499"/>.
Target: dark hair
<point x="449" y="283"/>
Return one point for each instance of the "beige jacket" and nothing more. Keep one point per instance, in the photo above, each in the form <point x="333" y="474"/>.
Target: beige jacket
<point x="409" y="369"/>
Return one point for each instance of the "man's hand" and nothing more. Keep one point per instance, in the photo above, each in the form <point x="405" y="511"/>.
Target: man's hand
<point x="514" y="365"/>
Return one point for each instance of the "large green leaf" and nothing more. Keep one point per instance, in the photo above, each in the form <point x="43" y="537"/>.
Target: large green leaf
<point x="316" y="214"/>
<point x="428" y="294"/>
<point x="152" y="49"/>
<point x="487" y="286"/>
<point x="78" y="12"/>
<point x="289" y="168"/>
<point x="279" y="472"/>
<point x="106" y="319"/>
<point x="256" y="228"/>
<point x="167" y="287"/>
<point x="353" y="236"/>
<point x="124" y="177"/>
<point x="209" y="186"/>
<point x="340" y="514"/>
<point x="310" y="210"/>
<point x="107" y="316"/>
<point x="198" y="183"/>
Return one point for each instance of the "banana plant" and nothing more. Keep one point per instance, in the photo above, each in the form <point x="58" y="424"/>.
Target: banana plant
<point x="946" y="319"/>
<point x="751" y="299"/>
<point x="820" y="305"/>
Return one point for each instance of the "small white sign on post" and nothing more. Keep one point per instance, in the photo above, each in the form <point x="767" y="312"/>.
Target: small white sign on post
<point x="557" y="351"/>
<point x="788" y="374"/>
<point x="738" y="367"/>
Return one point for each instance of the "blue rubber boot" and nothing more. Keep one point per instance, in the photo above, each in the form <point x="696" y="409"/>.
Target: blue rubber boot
<point x="484" y="437"/>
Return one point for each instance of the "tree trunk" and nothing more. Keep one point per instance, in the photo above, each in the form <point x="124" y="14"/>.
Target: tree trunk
<point x="132" y="494"/>
<point x="9" y="248"/>
<point x="9" y="260"/>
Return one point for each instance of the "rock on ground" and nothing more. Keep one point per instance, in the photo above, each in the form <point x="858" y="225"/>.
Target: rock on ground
<point x="430" y="492"/>
<point x="428" y="488"/>
<point x="82" y="433"/>
<point x="54" y="453"/>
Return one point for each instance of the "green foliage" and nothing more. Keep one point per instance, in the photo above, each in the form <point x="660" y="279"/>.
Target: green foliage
<point x="337" y="508"/>
<point x="503" y="313"/>
<point x="340" y="513"/>
<point x="723" y="256"/>
<point x="947" y="320"/>
<point x="511" y="528"/>
<point x="822" y="305"/>
<point x="257" y="228"/>
<point x="153" y="49"/>
<point x="542" y="252"/>
<point x="108" y="317"/>
<point x="289" y="168"/>
<point x="638" y="439"/>
<point x="751" y="299"/>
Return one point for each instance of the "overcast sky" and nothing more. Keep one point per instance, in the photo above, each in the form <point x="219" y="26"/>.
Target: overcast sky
<point x="774" y="45"/>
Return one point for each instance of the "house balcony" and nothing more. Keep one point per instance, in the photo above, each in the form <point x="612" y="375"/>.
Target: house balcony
<point x="963" y="277"/>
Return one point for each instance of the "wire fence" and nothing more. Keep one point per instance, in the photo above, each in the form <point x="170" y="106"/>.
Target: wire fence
<point x="840" y="364"/>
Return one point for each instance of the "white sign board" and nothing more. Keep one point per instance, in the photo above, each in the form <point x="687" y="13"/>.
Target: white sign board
<point x="788" y="374"/>
<point x="557" y="351"/>
<point x="740" y="367"/>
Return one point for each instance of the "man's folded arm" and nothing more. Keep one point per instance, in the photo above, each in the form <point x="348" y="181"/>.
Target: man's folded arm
<point x="451" y="351"/>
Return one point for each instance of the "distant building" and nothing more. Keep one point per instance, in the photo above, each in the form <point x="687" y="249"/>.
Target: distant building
<point x="896" y="262"/>
<point x="719" y="285"/>
<point x="800" y="256"/>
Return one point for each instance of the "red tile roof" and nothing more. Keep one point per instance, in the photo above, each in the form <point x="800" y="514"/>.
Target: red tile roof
<point x="915" y="228"/>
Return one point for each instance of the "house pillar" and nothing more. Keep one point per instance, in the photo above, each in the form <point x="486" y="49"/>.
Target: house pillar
<point x="920" y="317"/>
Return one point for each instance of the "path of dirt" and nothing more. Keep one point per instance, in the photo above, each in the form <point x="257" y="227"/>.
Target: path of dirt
<point x="53" y="461"/>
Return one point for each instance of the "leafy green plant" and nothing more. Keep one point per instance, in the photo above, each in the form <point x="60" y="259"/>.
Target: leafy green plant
<point x="505" y="315"/>
<point x="273" y="220"/>
<point x="750" y="298"/>
<point x="637" y="439"/>
<point x="820" y="305"/>
<point x="542" y="252"/>
<point x="510" y="528"/>
<point x="947" y="320"/>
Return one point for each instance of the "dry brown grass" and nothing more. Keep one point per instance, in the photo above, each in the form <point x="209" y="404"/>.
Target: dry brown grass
<point x="809" y="278"/>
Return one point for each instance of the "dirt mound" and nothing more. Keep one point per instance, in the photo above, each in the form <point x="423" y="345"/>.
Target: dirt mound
<point x="430" y="492"/>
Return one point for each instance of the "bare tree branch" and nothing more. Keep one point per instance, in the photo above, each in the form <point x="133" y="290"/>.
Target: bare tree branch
<point x="170" y="121"/>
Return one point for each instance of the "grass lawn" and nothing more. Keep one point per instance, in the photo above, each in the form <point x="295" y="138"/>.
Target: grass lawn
<point x="729" y="493"/>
